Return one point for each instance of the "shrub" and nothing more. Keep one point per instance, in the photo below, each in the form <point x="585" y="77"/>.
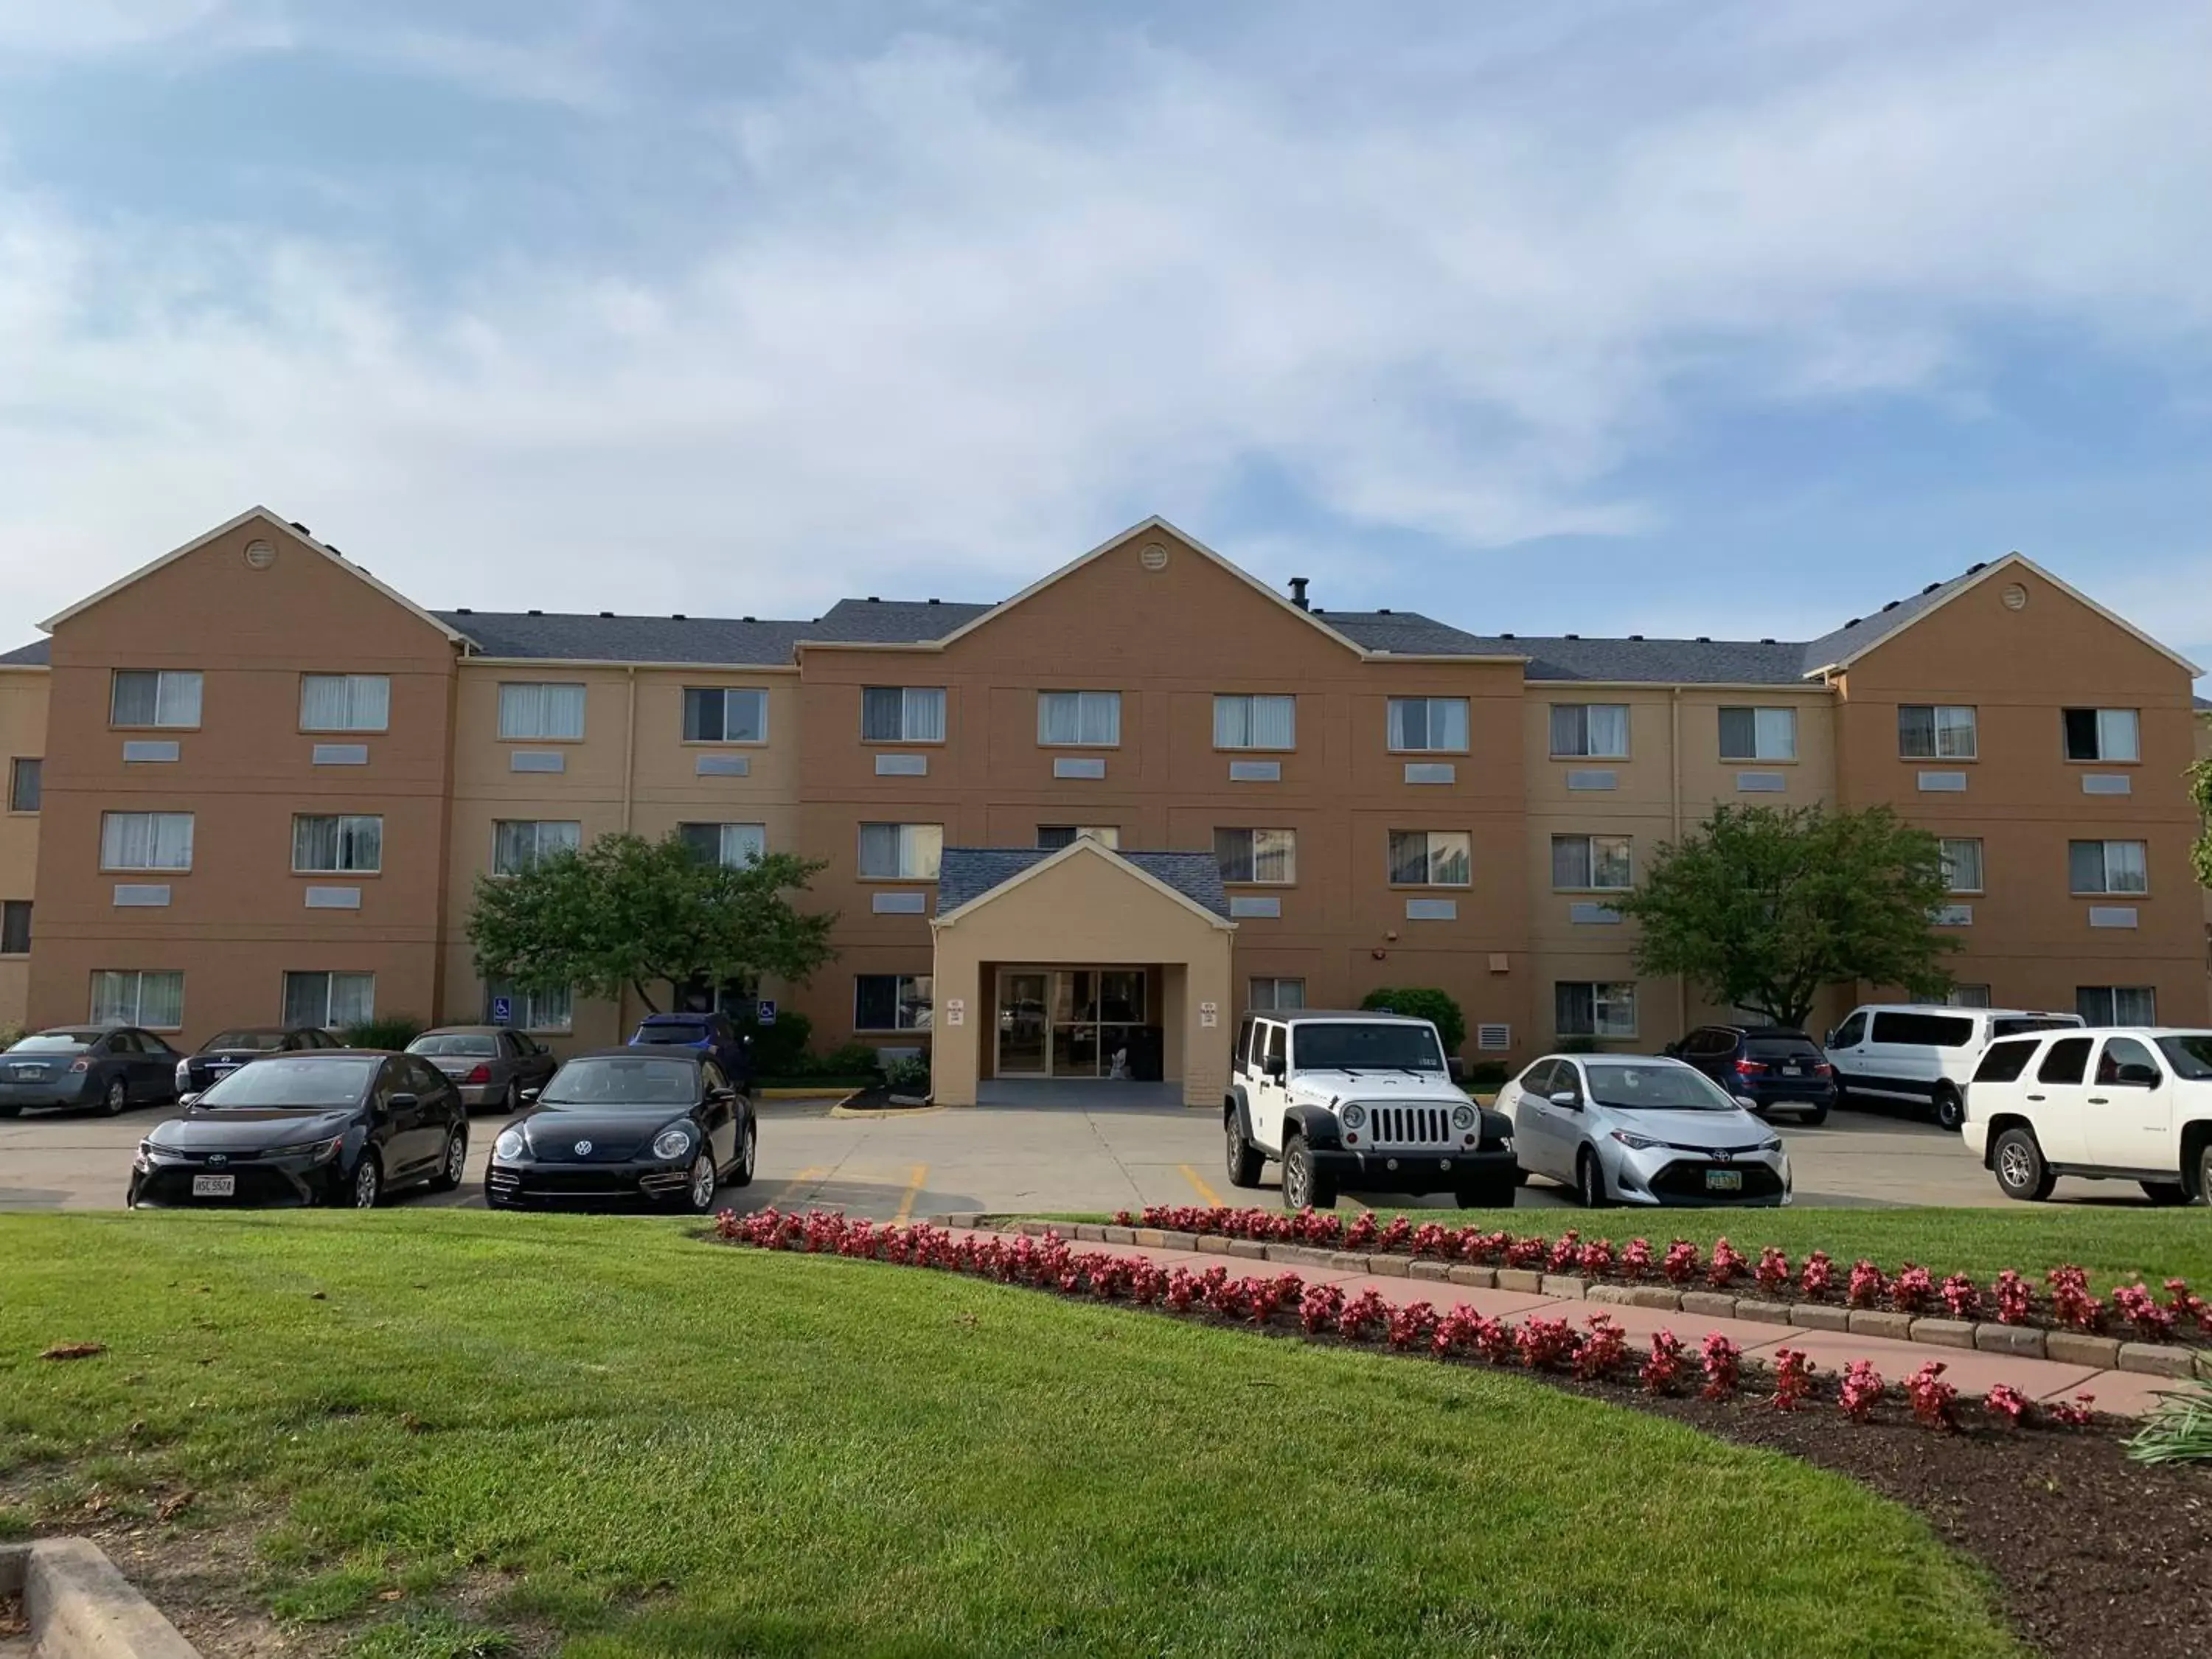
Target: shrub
<point x="909" y="1073"/>
<point x="1727" y="1262"/>
<point x="2074" y="1414"/>
<point x="2007" y="1402"/>
<point x="2152" y="1323"/>
<point x="1545" y="1342"/>
<point x="1680" y="1262"/>
<point x="1723" y="1366"/>
<point x="2179" y="1430"/>
<point x="1867" y="1285"/>
<point x="385" y="1031"/>
<point x="778" y="1050"/>
<point x="1793" y="1378"/>
<point x="1934" y="1400"/>
<point x="848" y="1059"/>
<point x="1773" y="1272"/>
<point x="1909" y="1292"/>
<point x="1635" y="1260"/>
<point x="1604" y="1350"/>
<point x="1961" y="1297"/>
<point x="2070" y="1301"/>
<point x="1423" y="1002"/>
<point x="1863" y="1387"/>
<point x="1663" y="1367"/>
<point x="1819" y="1276"/>
<point x="2014" y="1296"/>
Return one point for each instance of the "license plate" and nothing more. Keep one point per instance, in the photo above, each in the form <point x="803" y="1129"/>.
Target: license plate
<point x="1794" y="1069"/>
<point x="215" y="1186"/>
<point x="222" y="1068"/>
<point x="1724" y="1181"/>
<point x="29" y="1074"/>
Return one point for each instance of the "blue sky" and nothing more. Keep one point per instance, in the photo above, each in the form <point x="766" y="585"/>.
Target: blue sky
<point x="1720" y="317"/>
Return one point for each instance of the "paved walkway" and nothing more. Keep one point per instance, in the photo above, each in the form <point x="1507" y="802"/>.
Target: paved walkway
<point x="1973" y="1373"/>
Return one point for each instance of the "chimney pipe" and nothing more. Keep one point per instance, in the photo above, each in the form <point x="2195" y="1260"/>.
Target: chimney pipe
<point x="1298" y="592"/>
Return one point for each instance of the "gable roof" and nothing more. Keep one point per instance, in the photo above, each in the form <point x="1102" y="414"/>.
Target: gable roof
<point x="967" y="875"/>
<point x="283" y="526"/>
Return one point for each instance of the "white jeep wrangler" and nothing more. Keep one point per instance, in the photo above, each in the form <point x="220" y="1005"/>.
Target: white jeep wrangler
<point x="1363" y="1101"/>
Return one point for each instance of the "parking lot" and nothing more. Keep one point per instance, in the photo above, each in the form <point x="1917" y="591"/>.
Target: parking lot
<point x="1101" y="1153"/>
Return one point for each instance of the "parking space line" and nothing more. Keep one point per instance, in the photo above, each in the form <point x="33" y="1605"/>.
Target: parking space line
<point x="1206" y="1193"/>
<point x="913" y="1192"/>
<point x="805" y="1177"/>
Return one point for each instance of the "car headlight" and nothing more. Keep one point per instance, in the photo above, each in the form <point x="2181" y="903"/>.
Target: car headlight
<point x="1634" y="1142"/>
<point x="672" y="1142"/>
<point x="510" y="1145"/>
<point x="184" y="1074"/>
<point x="1773" y="1145"/>
<point x="318" y="1150"/>
<point x="1462" y="1118"/>
<point x="1355" y="1115"/>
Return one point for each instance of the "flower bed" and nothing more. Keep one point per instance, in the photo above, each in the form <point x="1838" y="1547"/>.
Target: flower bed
<point x="1595" y="1351"/>
<point x="2133" y="1312"/>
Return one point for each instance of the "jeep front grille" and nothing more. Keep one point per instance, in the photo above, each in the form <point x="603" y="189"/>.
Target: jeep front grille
<point x="1410" y="1126"/>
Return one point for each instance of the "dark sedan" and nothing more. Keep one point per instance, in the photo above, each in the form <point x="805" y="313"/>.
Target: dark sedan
<point x="490" y="1065"/>
<point x="340" y="1127"/>
<point x="659" y="1126"/>
<point x="112" y="1067"/>
<point x="225" y="1052"/>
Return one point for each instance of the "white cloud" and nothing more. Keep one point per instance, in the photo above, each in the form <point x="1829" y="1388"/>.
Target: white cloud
<point x="937" y="322"/>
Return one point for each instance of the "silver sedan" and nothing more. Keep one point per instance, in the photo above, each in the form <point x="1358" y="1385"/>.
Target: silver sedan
<point x="490" y="1065"/>
<point x="1637" y="1129"/>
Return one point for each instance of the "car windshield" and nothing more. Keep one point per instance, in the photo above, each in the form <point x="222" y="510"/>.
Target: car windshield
<point x="675" y="1030"/>
<point x="302" y="1083"/>
<point x="1653" y="1088"/>
<point x="52" y="1042"/>
<point x="259" y="1043"/>
<point x="1348" y="1046"/>
<point x="614" y="1080"/>
<point x="2190" y="1054"/>
<point x="474" y="1046"/>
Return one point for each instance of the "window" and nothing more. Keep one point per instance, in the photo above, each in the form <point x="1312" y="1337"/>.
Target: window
<point x="723" y="713"/>
<point x="2066" y="1060"/>
<point x="344" y="702"/>
<point x="1924" y="1031"/>
<point x="2101" y="734"/>
<point x="541" y="711"/>
<point x="1593" y="730"/>
<point x="1935" y="731"/>
<point x="1257" y="855"/>
<point x="1066" y="718"/>
<point x="535" y="1011"/>
<point x="1242" y="722"/>
<point x="146" y="841"/>
<point x="1850" y="1032"/>
<point x="520" y="844"/>
<point x="24" y="779"/>
<point x="903" y="713"/>
<point x="1277" y="995"/>
<point x="2117" y="1005"/>
<point x="1966" y="996"/>
<point x="1427" y="725"/>
<point x="900" y="852"/>
<point x="1962" y="864"/>
<point x="2124" y="1051"/>
<point x="16" y="927"/>
<point x="131" y="996"/>
<point x="349" y="844"/>
<point x="142" y="697"/>
<point x="333" y="1000"/>
<point x="1430" y="857"/>
<point x="891" y="1002"/>
<point x="1051" y="838"/>
<point x="2107" y="867"/>
<point x="1601" y="1009"/>
<point x="1758" y="734"/>
<point x="732" y="846"/>
<point x="2004" y="1062"/>
<point x="1599" y="863"/>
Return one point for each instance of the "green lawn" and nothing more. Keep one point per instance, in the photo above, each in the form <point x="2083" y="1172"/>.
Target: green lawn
<point x="668" y="1448"/>
<point x="2113" y="1244"/>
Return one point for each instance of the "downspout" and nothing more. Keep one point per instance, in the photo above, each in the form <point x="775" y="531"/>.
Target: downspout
<point x="630" y="746"/>
<point x="1674" y="802"/>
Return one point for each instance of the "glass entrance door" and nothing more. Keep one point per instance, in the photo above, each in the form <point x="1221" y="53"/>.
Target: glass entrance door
<point x="1070" y="1022"/>
<point x="1022" y="1026"/>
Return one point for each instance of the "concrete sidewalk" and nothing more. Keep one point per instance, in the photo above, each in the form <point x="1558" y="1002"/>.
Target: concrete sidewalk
<point x="1973" y="1373"/>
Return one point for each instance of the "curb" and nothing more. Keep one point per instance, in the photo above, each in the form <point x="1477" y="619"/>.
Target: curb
<point x="82" y="1608"/>
<point x="2026" y="1341"/>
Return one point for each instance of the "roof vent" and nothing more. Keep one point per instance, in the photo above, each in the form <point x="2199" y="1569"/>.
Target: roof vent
<point x="1981" y="565"/>
<point x="1298" y="592"/>
<point x="750" y="619"/>
<point x="1506" y="636"/>
<point x="677" y="616"/>
<point x="1892" y="605"/>
<point x="537" y="613"/>
<point x="463" y="610"/>
<point x="1385" y="611"/>
<point x="301" y="528"/>
<point x="259" y="555"/>
<point x="1636" y="636"/>
<point x="606" y="613"/>
<point x="933" y="601"/>
<point x="1853" y="622"/>
<point x="874" y="599"/>
<point x="1767" y="638"/>
<point x="1570" y="636"/>
<point x="1705" y="639"/>
<point x="1932" y="587"/>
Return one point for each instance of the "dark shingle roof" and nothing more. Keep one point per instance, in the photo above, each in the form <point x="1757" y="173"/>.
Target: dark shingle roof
<point x="1723" y="662"/>
<point x="968" y="872"/>
<point x="34" y="655"/>
<point x="560" y="637"/>
<point x="892" y="622"/>
<point x="1407" y="633"/>
<point x="1859" y="633"/>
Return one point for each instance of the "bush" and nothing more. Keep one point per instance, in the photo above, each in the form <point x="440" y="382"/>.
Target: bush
<point x="908" y="1074"/>
<point x="1421" y="1002"/>
<point x="385" y="1031"/>
<point x="778" y="1050"/>
<point x="1486" y="1074"/>
<point x="847" y="1060"/>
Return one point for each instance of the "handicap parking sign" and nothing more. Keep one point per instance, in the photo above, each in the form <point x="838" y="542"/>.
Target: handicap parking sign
<point x="502" y="1010"/>
<point x="767" y="1014"/>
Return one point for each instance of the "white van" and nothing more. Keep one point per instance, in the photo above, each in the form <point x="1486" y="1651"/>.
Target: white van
<point x="1925" y="1053"/>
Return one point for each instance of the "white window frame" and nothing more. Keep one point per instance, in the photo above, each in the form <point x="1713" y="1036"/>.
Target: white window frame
<point x="728" y="856"/>
<point x="726" y="692"/>
<point x="113" y="824"/>
<point x="1392" y="723"/>
<point x="1233" y="710"/>
<point x="1281" y="850"/>
<point x="539" y="851"/>
<point x="2142" y="850"/>
<point x="176" y="699"/>
<point x="519" y="721"/>
<point x="1607" y="998"/>
<point x="349" y="837"/>
<point x="1093" y="711"/>
<point x="1944" y="730"/>
<point x="921" y="708"/>
<point x="135" y="1000"/>
<point x="2109" y="722"/>
<point x="1764" y="718"/>
<point x="909" y="1012"/>
<point x="367" y="697"/>
<point x="920" y="849"/>
<point x="1951" y="882"/>
<point x="1270" y="1001"/>
<point x="2111" y="995"/>
<point x="330" y="976"/>
<point x="552" y="1010"/>
<point x="1584" y="731"/>
<point x="1590" y="863"/>
<point x="1429" y="857"/>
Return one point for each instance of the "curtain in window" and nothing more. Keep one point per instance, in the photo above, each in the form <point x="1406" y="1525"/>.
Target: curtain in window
<point x="1570" y="729"/>
<point x="518" y="844"/>
<point x="741" y="844"/>
<point x="2116" y="734"/>
<point x="1610" y="863"/>
<point x="1409" y="857"/>
<point x="1739" y="734"/>
<point x="315" y="844"/>
<point x="337" y="844"/>
<point x="880" y="849"/>
<point x="176" y="699"/>
<point x="352" y="999"/>
<point x="344" y="702"/>
<point x="921" y="845"/>
<point x="2085" y="867"/>
<point x="307" y="999"/>
<point x="1608" y="731"/>
<point x="1916" y="731"/>
<point x="1255" y="722"/>
<point x="924" y="714"/>
<point x="160" y="1001"/>
<point x="1962" y="865"/>
<point x="539" y="710"/>
<point x="1409" y="723"/>
<point x="2135" y="1005"/>
<point x="1615" y="1008"/>
<point x="882" y="713"/>
<point x="2125" y="868"/>
<point x="1575" y="1008"/>
<point x="1449" y="858"/>
<point x="1570" y="863"/>
<point x="702" y="713"/>
<point x="1776" y="733"/>
<point x="1275" y="855"/>
<point x="1079" y="717"/>
<point x="1954" y="733"/>
<point x="113" y="999"/>
<point x="24" y="786"/>
<point x="132" y="703"/>
<point x="745" y="715"/>
<point x="146" y="841"/>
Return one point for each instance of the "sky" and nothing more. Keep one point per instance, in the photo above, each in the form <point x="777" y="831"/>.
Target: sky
<point x="1598" y="316"/>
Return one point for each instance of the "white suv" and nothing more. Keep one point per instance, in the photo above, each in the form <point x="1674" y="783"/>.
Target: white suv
<point x="2121" y="1105"/>
<point x="1922" y="1052"/>
<point x="1361" y="1100"/>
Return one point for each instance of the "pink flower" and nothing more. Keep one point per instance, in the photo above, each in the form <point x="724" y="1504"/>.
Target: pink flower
<point x="1662" y="1368"/>
<point x="1912" y="1289"/>
<point x="1545" y="1342"/>
<point x="2072" y="1416"/>
<point x="1565" y="1253"/>
<point x="1364" y="1314"/>
<point x="2070" y="1301"/>
<point x="1773" y="1272"/>
<point x="1819" y="1276"/>
<point x="1597" y="1259"/>
<point x="1603" y="1351"/>
<point x="1635" y="1260"/>
<point x="1411" y="1326"/>
<point x="1793" y="1378"/>
<point x="1724" y="1362"/>
<point x="1727" y="1262"/>
<point x="2152" y="1323"/>
<point x="1319" y="1309"/>
<point x="1680" y="1263"/>
<point x="2014" y="1296"/>
<point x="1867" y="1285"/>
<point x="1863" y="1387"/>
<point x="1960" y="1297"/>
<point x="1934" y="1400"/>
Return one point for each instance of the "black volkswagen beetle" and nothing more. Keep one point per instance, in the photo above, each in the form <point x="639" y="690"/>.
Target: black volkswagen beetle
<point x="642" y="1124"/>
<point x="333" y="1126"/>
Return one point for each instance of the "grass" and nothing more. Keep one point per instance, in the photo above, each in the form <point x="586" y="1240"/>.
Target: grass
<point x="659" y="1447"/>
<point x="2115" y="1245"/>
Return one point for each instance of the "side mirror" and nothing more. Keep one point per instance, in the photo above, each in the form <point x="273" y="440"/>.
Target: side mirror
<point x="1568" y="1098"/>
<point x="721" y="1097"/>
<point x="1748" y="1105"/>
<point x="2137" y="1075"/>
<point x="404" y="1100"/>
<point x="530" y="1094"/>
<point x="192" y="1099"/>
<point x="1828" y="1040"/>
<point x="1275" y="1067"/>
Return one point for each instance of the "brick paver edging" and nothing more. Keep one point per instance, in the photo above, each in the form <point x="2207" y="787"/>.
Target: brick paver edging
<point x="2103" y="1353"/>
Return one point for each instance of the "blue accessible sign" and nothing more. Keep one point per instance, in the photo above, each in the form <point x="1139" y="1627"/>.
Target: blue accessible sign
<point x="502" y="1010"/>
<point x="767" y="1014"/>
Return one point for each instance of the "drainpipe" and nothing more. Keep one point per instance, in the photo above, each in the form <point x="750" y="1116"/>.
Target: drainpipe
<point x="1674" y="792"/>
<point x="630" y="746"/>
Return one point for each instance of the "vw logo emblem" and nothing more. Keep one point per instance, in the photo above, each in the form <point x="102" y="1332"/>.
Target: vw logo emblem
<point x="583" y="1149"/>
<point x="218" y="1157"/>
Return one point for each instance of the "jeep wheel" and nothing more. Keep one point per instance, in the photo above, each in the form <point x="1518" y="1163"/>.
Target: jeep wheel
<point x="2164" y="1193"/>
<point x="1304" y="1185"/>
<point x="1950" y="1110"/>
<point x="1244" y="1159"/>
<point x="2021" y="1172"/>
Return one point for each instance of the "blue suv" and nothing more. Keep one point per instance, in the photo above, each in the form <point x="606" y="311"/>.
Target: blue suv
<point x="710" y="1034"/>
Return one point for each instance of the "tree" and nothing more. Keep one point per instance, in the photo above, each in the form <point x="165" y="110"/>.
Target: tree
<point x="1762" y="906"/>
<point x="625" y="912"/>
<point x="1421" y="1002"/>
<point x="2200" y="791"/>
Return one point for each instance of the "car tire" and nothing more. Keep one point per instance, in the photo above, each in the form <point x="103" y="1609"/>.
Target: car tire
<point x="2020" y="1170"/>
<point x="1244" y="1160"/>
<point x="1520" y="1176"/>
<point x="1589" y="1181"/>
<point x="11" y="1111"/>
<point x="511" y="1104"/>
<point x="1815" y="1117"/>
<point x="116" y="1100"/>
<point x="698" y="1196"/>
<point x="1493" y="1192"/>
<point x="741" y="1174"/>
<point x="2205" y="1173"/>
<point x="1304" y="1185"/>
<point x="366" y="1190"/>
<point x="2165" y="1193"/>
<point x="453" y="1163"/>
<point x="1950" y="1108"/>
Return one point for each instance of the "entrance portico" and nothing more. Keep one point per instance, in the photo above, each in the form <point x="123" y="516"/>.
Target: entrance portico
<point x="1083" y="963"/>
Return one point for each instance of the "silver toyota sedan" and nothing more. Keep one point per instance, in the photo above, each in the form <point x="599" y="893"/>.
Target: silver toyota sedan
<point x="1638" y="1130"/>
